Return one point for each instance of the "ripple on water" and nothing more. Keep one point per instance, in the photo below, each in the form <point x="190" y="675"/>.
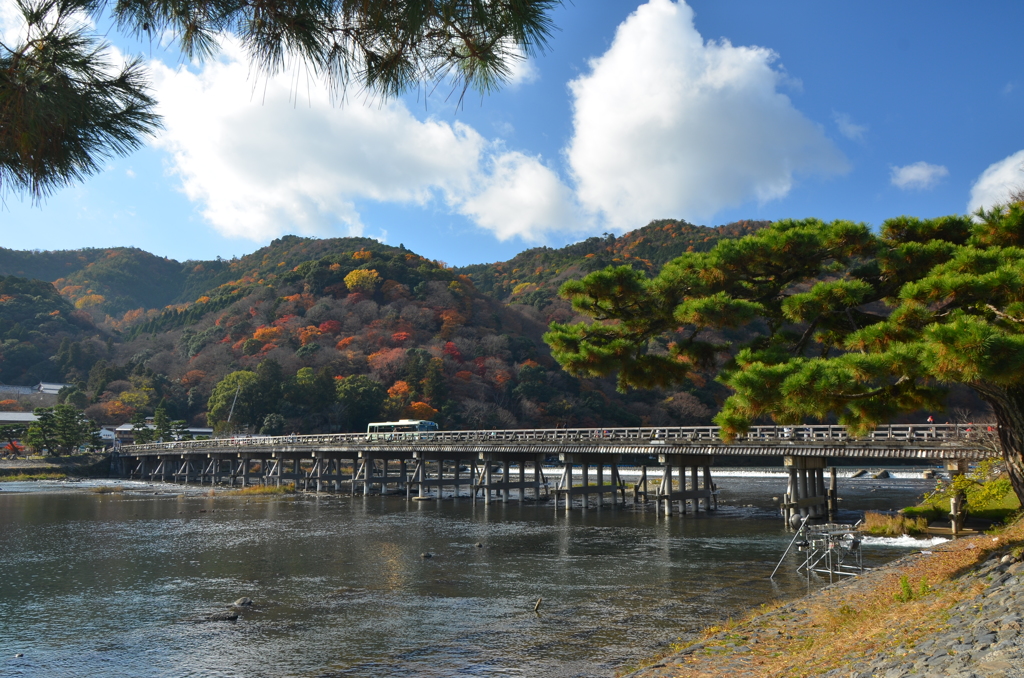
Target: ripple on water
<point x="120" y="584"/>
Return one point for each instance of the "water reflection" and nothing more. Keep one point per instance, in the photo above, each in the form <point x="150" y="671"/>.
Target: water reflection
<point x="121" y="584"/>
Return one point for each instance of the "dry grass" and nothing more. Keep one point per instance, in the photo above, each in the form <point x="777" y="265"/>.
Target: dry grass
<point x="106" y="489"/>
<point x="882" y="525"/>
<point x="875" y="614"/>
<point x="262" y="489"/>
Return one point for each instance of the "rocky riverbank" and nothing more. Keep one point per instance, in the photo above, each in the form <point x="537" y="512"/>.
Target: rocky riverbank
<point x="954" y="610"/>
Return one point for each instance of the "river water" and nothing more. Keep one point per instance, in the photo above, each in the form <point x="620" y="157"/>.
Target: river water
<point x="121" y="584"/>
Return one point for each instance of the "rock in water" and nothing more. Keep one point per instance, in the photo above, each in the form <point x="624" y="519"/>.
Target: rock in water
<point x="880" y="475"/>
<point x="859" y="473"/>
<point x="242" y="602"/>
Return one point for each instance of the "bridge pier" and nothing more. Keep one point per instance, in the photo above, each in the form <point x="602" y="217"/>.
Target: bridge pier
<point x="806" y="495"/>
<point x="365" y="471"/>
<point x="642" y="483"/>
<point x="698" y="465"/>
<point x="484" y="478"/>
<point x="567" y="487"/>
<point x="422" y="478"/>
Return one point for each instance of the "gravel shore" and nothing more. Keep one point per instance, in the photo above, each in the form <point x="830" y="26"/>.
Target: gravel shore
<point x="968" y="622"/>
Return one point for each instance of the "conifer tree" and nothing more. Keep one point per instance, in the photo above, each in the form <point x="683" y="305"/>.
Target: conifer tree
<point x="806" y="320"/>
<point x="64" y="109"/>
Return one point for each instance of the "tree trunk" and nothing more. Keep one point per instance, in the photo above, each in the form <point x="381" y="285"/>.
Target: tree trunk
<point x="1008" y="406"/>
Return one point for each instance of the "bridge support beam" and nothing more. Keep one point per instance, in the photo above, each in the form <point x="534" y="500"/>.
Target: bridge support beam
<point x="956" y="467"/>
<point x="806" y="495"/>
<point x="448" y="467"/>
<point x="369" y="473"/>
<point x="485" y="481"/>
<point x="568" y="489"/>
<point x="669" y="492"/>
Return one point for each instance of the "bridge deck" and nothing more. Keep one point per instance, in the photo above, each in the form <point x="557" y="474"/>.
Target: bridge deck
<point x="904" y="441"/>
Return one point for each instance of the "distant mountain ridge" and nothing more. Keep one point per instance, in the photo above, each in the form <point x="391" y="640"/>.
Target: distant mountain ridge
<point x="534" y="275"/>
<point x="118" y="280"/>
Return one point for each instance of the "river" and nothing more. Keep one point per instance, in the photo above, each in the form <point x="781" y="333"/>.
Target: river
<point x="121" y="584"/>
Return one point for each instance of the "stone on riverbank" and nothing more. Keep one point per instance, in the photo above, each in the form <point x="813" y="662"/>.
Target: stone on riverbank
<point x="963" y="615"/>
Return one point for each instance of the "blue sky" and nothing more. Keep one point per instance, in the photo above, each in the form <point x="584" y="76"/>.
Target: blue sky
<point x="710" y="112"/>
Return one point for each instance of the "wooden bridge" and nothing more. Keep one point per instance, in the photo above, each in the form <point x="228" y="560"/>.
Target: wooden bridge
<point x="482" y="462"/>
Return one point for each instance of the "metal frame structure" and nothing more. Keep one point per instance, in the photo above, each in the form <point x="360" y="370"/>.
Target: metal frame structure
<point x="833" y="549"/>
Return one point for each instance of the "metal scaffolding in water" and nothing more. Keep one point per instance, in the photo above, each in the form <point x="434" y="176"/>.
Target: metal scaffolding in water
<point x="831" y="549"/>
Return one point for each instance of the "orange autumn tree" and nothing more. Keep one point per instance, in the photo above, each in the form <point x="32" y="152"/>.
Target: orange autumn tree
<point x="398" y="400"/>
<point x="420" y="410"/>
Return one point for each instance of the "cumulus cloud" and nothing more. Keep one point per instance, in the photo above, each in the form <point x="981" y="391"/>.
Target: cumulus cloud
<point x="521" y="196"/>
<point x="667" y="124"/>
<point x="523" y="72"/>
<point x="996" y="183"/>
<point x="276" y="157"/>
<point x="848" y="128"/>
<point x="920" y="175"/>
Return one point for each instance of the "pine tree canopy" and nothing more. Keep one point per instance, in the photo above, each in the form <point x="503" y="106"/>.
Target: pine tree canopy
<point x="807" y="320"/>
<point x="64" y="108"/>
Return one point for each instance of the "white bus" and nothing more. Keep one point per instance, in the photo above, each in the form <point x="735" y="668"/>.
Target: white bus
<point x="398" y="430"/>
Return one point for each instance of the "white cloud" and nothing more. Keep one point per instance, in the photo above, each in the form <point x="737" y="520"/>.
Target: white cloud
<point x="664" y="125"/>
<point x="278" y="158"/>
<point x="848" y="128"/>
<point x="12" y="23"/>
<point x="522" y="197"/>
<point x="920" y="175"/>
<point x="996" y="183"/>
<point x="667" y="124"/>
<point x="13" y="26"/>
<point x="523" y="72"/>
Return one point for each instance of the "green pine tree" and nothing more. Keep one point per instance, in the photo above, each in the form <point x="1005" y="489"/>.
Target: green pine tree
<point x="806" y="320"/>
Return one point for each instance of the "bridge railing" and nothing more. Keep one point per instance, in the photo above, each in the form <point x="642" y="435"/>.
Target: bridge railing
<point x="824" y="434"/>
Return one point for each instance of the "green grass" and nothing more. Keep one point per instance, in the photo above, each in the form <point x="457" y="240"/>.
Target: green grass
<point x="20" y="477"/>
<point x="929" y="512"/>
<point x="999" y="511"/>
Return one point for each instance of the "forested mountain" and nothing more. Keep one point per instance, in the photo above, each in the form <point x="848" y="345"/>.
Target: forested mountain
<point x="34" y="320"/>
<point x="323" y="335"/>
<point x="533" y="277"/>
<point x="113" y="280"/>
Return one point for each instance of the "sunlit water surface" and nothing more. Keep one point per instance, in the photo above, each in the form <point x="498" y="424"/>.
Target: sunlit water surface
<point x="120" y="584"/>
